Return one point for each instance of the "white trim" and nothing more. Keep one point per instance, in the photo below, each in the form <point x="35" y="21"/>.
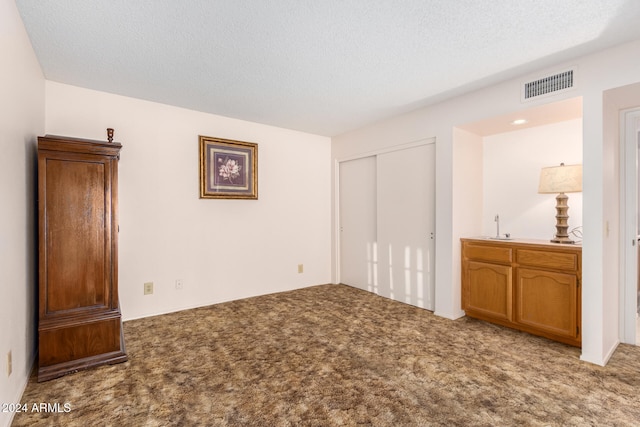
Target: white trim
<point x="30" y="366"/>
<point x="629" y="126"/>
<point x="404" y="146"/>
<point x="606" y="358"/>
<point x="336" y="215"/>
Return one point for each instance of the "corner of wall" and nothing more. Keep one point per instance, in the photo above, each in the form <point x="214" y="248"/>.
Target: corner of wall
<point x="21" y="120"/>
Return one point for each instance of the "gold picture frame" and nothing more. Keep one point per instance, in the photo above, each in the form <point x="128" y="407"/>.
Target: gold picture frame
<point x="228" y="169"/>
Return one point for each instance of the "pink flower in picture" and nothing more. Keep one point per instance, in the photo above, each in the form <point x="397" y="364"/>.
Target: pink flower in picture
<point x="229" y="169"/>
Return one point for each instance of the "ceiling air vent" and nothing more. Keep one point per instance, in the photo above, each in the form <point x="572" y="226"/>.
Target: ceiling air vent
<point x="552" y="84"/>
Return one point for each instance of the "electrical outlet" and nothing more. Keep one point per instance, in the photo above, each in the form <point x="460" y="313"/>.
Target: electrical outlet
<point x="300" y="268"/>
<point x="9" y="363"/>
<point x="179" y="284"/>
<point x="148" y="288"/>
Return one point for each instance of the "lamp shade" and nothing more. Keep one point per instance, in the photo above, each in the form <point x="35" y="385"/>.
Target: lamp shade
<point x="561" y="179"/>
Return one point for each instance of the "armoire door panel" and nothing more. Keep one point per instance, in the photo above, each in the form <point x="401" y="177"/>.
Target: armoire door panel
<point x="77" y="241"/>
<point x="80" y="341"/>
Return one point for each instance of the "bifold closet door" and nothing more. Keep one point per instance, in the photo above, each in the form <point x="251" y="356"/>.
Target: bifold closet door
<point x="358" y="222"/>
<point x="406" y="225"/>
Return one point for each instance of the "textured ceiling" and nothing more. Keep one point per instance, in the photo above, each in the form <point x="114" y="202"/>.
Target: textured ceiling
<point x="320" y="66"/>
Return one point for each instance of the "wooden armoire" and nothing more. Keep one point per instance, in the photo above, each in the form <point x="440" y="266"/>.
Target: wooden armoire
<point x="80" y="324"/>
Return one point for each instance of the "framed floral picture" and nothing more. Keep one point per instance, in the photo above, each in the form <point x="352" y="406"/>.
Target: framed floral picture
<point x="228" y="169"/>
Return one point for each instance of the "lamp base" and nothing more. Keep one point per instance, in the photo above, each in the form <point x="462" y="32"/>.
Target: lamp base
<point x="564" y="240"/>
<point x="562" y="220"/>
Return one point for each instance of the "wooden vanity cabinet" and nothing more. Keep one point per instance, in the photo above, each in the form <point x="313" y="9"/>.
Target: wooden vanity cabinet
<point x="530" y="285"/>
<point x="79" y="320"/>
<point x="488" y="275"/>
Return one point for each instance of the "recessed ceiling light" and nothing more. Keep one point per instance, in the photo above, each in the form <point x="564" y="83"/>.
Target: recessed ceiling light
<point x="519" y="122"/>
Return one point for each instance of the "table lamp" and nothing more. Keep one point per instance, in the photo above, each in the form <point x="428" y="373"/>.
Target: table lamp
<point x="561" y="179"/>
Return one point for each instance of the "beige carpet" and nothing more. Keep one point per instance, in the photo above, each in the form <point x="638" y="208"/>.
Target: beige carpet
<point x="334" y="355"/>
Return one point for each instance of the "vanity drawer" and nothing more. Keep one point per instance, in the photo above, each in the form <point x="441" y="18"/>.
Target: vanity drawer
<point x="548" y="259"/>
<point x="488" y="253"/>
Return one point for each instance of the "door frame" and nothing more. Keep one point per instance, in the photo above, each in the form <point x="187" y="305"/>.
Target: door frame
<point x="629" y="140"/>
<point x="337" y="225"/>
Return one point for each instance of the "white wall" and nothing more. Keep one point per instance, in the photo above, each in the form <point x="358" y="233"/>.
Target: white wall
<point x="21" y="120"/>
<point x="512" y="162"/>
<point x="596" y="73"/>
<point x="467" y="171"/>
<point x="221" y="249"/>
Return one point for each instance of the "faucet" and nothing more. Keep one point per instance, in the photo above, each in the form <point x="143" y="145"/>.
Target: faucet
<point x="507" y="236"/>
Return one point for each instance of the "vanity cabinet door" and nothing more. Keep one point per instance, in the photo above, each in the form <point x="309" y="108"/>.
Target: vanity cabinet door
<point x="547" y="301"/>
<point x="488" y="290"/>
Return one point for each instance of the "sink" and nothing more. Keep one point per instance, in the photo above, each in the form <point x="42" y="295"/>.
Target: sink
<point x="498" y="236"/>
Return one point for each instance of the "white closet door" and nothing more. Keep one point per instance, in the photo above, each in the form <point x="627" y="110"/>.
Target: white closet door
<point x="406" y="225"/>
<point x="358" y="223"/>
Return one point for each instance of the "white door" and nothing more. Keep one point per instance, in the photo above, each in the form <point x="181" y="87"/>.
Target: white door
<point x="387" y="224"/>
<point x="357" y="198"/>
<point x="406" y="225"/>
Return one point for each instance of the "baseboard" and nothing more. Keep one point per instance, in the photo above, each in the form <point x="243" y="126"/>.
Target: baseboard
<point x="450" y="316"/>
<point x="209" y="303"/>
<point x="610" y="353"/>
<point x="25" y="382"/>
<point x="606" y="358"/>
